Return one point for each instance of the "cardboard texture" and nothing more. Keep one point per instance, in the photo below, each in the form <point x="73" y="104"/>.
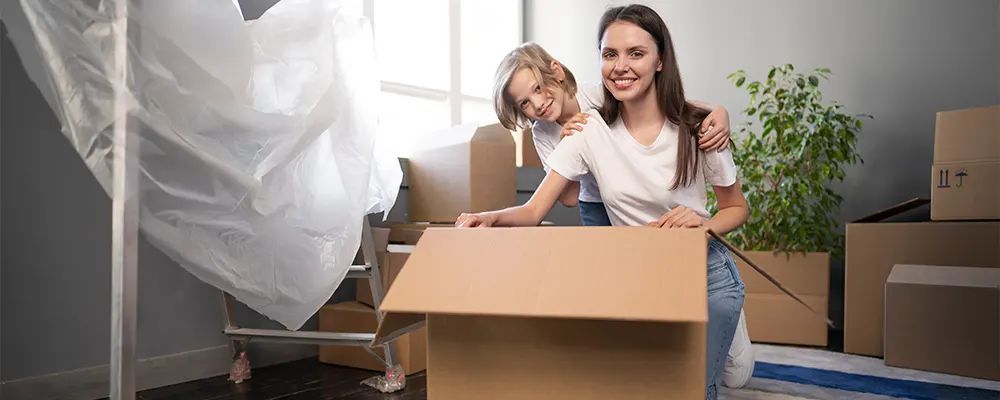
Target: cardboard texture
<point x="944" y="319"/>
<point x="509" y="312"/>
<point x="772" y="316"/>
<point x="965" y="178"/>
<point x="390" y="263"/>
<point x="354" y="317"/>
<point x="873" y="248"/>
<point x="462" y="169"/>
<point x="410" y="233"/>
<point x="968" y="135"/>
<point x="965" y="191"/>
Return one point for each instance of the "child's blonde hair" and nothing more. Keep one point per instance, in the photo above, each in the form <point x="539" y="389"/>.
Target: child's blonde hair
<point x="539" y="62"/>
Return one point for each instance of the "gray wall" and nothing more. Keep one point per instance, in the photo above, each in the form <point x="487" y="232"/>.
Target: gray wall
<point x="899" y="60"/>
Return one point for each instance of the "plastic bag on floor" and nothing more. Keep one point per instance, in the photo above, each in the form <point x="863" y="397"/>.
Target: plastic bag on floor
<point x="257" y="140"/>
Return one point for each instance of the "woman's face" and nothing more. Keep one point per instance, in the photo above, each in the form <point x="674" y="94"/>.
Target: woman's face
<point x="534" y="99"/>
<point x="629" y="61"/>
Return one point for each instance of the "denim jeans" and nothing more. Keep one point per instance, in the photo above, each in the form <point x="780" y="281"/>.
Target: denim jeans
<point x="593" y="214"/>
<point x="725" y="300"/>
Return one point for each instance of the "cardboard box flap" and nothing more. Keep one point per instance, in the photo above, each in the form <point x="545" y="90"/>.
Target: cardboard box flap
<point x="971" y="134"/>
<point x="945" y="276"/>
<point x="494" y="133"/>
<point x="894" y="210"/>
<point x="394" y="325"/>
<point x="617" y="273"/>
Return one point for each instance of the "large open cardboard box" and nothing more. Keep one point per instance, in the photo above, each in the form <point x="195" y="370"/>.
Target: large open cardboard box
<point x="773" y="316"/>
<point x="556" y="313"/>
<point x="461" y="169"/>
<point x="965" y="179"/>
<point x="875" y="245"/>
<point x="944" y="319"/>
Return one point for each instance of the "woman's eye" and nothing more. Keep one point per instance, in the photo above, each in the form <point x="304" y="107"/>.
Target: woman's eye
<point x="524" y="104"/>
<point x="538" y="89"/>
<point x="608" y="56"/>
<point x="637" y="54"/>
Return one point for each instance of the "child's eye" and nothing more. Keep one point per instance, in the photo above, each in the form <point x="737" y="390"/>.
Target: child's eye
<point x="538" y="89"/>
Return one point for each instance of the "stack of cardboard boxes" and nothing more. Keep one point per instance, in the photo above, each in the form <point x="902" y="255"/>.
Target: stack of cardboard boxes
<point x="462" y="169"/>
<point x="925" y="294"/>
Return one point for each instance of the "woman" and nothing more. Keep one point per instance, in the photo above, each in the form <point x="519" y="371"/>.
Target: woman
<point x="642" y="151"/>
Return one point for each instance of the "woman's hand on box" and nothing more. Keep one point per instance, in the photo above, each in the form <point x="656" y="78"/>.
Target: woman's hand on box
<point x="678" y="217"/>
<point x="476" y="220"/>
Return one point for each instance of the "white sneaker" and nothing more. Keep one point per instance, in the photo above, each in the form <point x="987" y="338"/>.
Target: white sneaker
<point x="740" y="360"/>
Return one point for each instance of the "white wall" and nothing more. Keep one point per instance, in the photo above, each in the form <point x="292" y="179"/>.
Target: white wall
<point x="900" y="60"/>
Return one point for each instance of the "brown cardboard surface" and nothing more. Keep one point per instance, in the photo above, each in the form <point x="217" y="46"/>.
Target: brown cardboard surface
<point x="462" y="169"/>
<point x="354" y="317"/>
<point x="802" y="273"/>
<point x="774" y="317"/>
<point x="777" y="318"/>
<point x="965" y="191"/>
<point x="410" y="233"/>
<point x="559" y="272"/>
<point x="872" y="250"/>
<point x="967" y="135"/>
<point x="528" y="313"/>
<point x="390" y="263"/>
<point x="541" y="358"/>
<point x="944" y="319"/>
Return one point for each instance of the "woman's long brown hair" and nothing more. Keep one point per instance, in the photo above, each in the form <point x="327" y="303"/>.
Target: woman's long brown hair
<point x="669" y="90"/>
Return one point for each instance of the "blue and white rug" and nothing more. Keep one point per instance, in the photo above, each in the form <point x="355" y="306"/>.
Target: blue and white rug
<point x="794" y="373"/>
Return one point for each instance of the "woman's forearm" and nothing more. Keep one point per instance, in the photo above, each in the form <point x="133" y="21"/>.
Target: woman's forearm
<point x="727" y="219"/>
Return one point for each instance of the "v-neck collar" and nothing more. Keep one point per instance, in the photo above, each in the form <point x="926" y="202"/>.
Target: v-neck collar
<point x="660" y="137"/>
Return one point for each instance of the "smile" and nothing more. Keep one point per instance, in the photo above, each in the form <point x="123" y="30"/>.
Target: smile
<point x="624" y="83"/>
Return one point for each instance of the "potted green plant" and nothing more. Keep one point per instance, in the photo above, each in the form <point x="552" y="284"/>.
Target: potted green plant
<point x="791" y="148"/>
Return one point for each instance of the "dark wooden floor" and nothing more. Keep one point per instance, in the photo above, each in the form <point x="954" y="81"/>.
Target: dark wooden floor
<point x="303" y="379"/>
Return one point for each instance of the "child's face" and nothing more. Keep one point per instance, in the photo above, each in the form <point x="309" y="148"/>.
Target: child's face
<point x="629" y="61"/>
<point x="535" y="100"/>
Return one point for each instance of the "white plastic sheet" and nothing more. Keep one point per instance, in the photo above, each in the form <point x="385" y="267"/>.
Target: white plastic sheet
<point x="258" y="150"/>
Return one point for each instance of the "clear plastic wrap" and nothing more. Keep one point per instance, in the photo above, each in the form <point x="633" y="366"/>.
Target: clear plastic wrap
<point x="394" y="380"/>
<point x="257" y="140"/>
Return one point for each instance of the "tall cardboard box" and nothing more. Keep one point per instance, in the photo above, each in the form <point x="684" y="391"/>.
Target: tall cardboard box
<point x="390" y="263"/>
<point x="944" y="319"/>
<point x="875" y="244"/>
<point x="462" y="169"/>
<point x="773" y="316"/>
<point x="354" y="317"/>
<point x="528" y="313"/>
<point x="527" y="154"/>
<point x="965" y="179"/>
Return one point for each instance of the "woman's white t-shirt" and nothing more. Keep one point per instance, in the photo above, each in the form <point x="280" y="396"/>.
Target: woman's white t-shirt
<point x="635" y="180"/>
<point x="545" y="135"/>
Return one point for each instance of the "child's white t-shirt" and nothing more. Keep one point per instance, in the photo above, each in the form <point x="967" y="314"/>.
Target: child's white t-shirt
<point x="545" y="135"/>
<point x="635" y="180"/>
